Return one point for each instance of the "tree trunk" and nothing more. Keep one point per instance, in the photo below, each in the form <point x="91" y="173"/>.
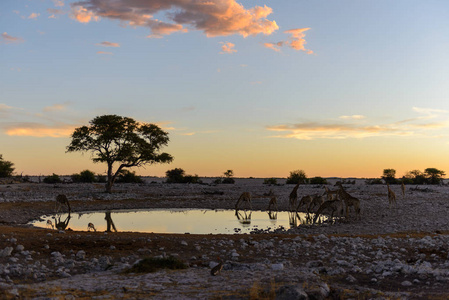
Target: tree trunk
<point x="110" y="181"/>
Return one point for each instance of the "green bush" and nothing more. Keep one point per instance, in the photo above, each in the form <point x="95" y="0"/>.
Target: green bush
<point x="101" y="178"/>
<point x="191" y="179"/>
<point x="318" y="180"/>
<point x="298" y="176"/>
<point x="127" y="176"/>
<point x="52" y="179"/>
<point x="272" y="180"/>
<point x="228" y="180"/>
<point x="152" y="264"/>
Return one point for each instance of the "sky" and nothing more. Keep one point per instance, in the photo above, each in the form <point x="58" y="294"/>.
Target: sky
<point x="261" y="87"/>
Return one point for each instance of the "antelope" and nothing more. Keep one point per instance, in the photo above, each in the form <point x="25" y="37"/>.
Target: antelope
<point x="217" y="269"/>
<point x="90" y="227"/>
<point x="50" y="224"/>
<point x="391" y="196"/>
<point x="244" y="197"/>
<point x="349" y="200"/>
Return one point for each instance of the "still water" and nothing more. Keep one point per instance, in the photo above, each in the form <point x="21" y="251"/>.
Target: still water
<point x="194" y="221"/>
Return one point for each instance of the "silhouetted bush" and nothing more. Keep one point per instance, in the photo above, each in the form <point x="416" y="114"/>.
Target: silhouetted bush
<point x="52" y="179"/>
<point x="177" y="175"/>
<point x="127" y="176"/>
<point x="374" y="181"/>
<point x="85" y="176"/>
<point x="272" y="180"/>
<point x="298" y="176"/>
<point x="101" y="178"/>
<point x="228" y="181"/>
<point x="318" y="180"/>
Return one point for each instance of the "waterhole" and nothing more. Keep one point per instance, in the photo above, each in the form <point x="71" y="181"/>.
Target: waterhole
<point x="194" y="221"/>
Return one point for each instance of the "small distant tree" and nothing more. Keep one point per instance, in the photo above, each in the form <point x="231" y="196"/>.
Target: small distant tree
<point x="416" y="177"/>
<point x="389" y="176"/>
<point x="113" y="139"/>
<point x="228" y="177"/>
<point x="6" y="167"/>
<point x="297" y="176"/>
<point x="433" y="175"/>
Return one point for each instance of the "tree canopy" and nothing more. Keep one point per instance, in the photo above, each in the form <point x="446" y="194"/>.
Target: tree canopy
<point x="115" y="139"/>
<point x="6" y="167"/>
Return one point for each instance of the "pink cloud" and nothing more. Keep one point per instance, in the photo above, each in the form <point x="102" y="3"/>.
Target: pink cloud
<point x="296" y="41"/>
<point x="33" y="16"/>
<point x="108" y="44"/>
<point x="8" y="39"/>
<point x="104" y="52"/>
<point x="213" y="17"/>
<point x="82" y="15"/>
<point x="39" y="130"/>
<point x="227" y="48"/>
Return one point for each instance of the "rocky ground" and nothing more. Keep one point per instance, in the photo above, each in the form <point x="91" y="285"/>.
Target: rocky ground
<point x="398" y="253"/>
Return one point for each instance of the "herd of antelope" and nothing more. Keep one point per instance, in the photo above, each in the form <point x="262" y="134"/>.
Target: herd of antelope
<point x="337" y="201"/>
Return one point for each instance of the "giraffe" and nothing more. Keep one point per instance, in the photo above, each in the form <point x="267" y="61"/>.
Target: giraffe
<point x="403" y="189"/>
<point x="244" y="197"/>
<point x="316" y="202"/>
<point x="333" y="206"/>
<point x="348" y="200"/>
<point x="62" y="200"/>
<point x="294" y="196"/>
<point x="330" y="194"/>
<point x="306" y="200"/>
<point x="391" y="196"/>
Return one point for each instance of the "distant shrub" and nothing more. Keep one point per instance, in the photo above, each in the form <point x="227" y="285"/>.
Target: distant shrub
<point x="177" y="175"/>
<point x="298" y="176"/>
<point x="191" y="179"/>
<point x="318" y="180"/>
<point x="228" y="181"/>
<point x="153" y="264"/>
<point x="272" y="180"/>
<point x="374" y="181"/>
<point x="85" y="176"/>
<point x="52" y="179"/>
<point x="101" y="178"/>
<point x="127" y="176"/>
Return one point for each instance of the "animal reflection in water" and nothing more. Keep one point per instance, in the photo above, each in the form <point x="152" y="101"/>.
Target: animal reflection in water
<point x="109" y="223"/>
<point x="243" y="217"/>
<point x="62" y="225"/>
<point x="295" y="219"/>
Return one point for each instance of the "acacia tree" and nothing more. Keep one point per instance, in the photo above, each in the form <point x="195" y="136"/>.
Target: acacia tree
<point x="434" y="176"/>
<point x="6" y="167"/>
<point x="389" y="176"/>
<point x="114" y="139"/>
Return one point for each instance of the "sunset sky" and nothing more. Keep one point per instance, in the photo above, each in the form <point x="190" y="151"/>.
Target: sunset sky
<point x="262" y="87"/>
